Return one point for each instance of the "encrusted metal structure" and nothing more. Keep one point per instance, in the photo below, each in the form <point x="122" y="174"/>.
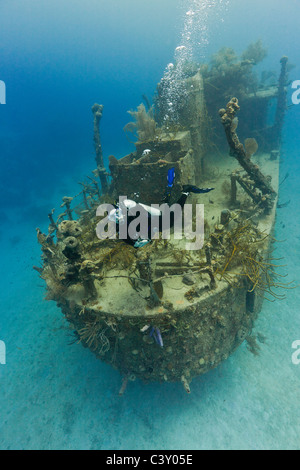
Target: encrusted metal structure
<point x="162" y="312"/>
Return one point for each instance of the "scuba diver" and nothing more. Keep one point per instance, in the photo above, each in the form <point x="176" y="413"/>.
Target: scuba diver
<point x="122" y="214"/>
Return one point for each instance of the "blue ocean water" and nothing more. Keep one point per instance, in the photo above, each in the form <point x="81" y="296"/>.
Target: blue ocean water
<point x="57" y="59"/>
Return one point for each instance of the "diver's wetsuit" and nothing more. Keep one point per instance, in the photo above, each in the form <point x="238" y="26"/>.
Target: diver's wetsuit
<point x="158" y="216"/>
<point x="144" y="238"/>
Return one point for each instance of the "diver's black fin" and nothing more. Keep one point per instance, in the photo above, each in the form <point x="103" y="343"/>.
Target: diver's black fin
<point x="188" y="188"/>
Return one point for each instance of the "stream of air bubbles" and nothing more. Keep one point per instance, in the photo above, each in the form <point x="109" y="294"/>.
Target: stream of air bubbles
<point x="198" y="15"/>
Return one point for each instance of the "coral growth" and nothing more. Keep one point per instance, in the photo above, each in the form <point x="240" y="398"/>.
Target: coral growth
<point x="251" y="147"/>
<point x="255" y="52"/>
<point x="243" y="258"/>
<point x="93" y="335"/>
<point x="228" y="74"/>
<point x="144" y="125"/>
<point x="69" y="228"/>
<point x="237" y="150"/>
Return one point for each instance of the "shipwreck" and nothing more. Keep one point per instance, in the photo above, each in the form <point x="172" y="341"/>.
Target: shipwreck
<point x="161" y="312"/>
